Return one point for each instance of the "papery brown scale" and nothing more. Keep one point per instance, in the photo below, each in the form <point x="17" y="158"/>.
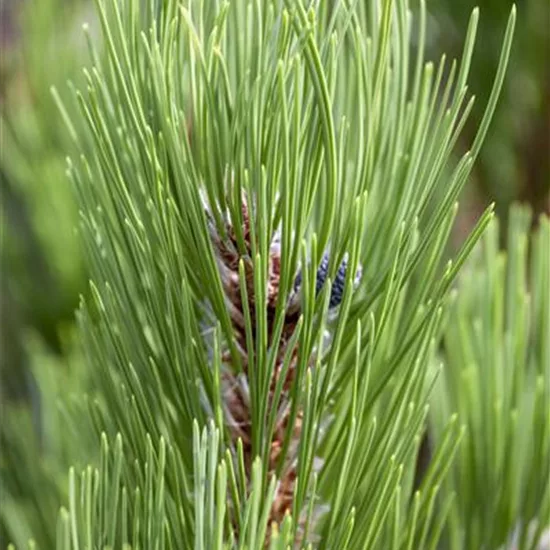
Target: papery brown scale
<point x="234" y="390"/>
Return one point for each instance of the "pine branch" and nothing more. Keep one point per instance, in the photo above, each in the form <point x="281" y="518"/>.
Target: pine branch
<point x="265" y="209"/>
<point x="224" y="139"/>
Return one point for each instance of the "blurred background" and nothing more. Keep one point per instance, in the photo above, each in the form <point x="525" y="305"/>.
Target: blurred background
<point x="42" y="273"/>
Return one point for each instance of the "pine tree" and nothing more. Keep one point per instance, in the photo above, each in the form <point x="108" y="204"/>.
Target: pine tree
<point x="266" y="192"/>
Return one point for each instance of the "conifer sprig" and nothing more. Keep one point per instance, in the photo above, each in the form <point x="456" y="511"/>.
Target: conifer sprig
<point x="229" y="158"/>
<point x="241" y="154"/>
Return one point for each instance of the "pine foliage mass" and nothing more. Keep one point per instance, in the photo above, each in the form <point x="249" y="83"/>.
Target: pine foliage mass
<point x="266" y="192"/>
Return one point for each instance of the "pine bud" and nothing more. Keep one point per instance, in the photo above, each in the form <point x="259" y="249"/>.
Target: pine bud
<point x="338" y="285"/>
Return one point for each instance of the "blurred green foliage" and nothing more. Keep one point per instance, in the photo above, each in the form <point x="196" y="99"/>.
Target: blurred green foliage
<point x="42" y="271"/>
<point x="515" y="161"/>
<point x="496" y="377"/>
<point x="37" y="445"/>
<point x="40" y="252"/>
